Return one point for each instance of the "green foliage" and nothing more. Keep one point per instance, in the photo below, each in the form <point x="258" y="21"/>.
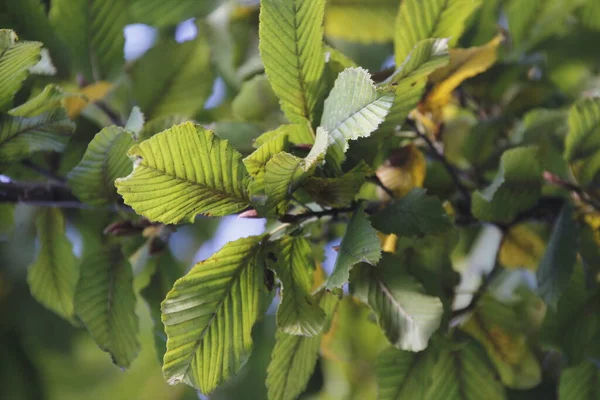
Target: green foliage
<point x="450" y="147"/>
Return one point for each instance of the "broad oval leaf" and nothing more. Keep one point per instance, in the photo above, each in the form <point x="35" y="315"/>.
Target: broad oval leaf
<point x="404" y="375"/>
<point x="583" y="139"/>
<point x="354" y="109"/>
<point x="580" y="382"/>
<point x="360" y="244"/>
<point x="105" y="303"/>
<point x="294" y="357"/>
<point x="105" y="160"/>
<point x="166" y="14"/>
<point x="423" y="19"/>
<point x="415" y="214"/>
<point x="298" y="313"/>
<point x="406" y="313"/>
<point x="209" y="314"/>
<point x="182" y="172"/>
<point x="53" y="275"/>
<point x="291" y="48"/>
<point x="19" y="137"/>
<point x="16" y="58"/>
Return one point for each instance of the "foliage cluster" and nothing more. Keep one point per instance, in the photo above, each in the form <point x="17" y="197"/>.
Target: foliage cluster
<point x="463" y="179"/>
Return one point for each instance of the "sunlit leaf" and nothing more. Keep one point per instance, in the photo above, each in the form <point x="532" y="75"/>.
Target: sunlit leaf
<point x="418" y="20"/>
<point x="407" y="315"/>
<point x="256" y="162"/>
<point x="353" y="109"/>
<point x="53" y="275"/>
<point x="77" y="102"/>
<point x="105" y="160"/>
<point x="402" y="172"/>
<point x="16" y="58"/>
<point x="413" y="215"/>
<point x="298" y="313"/>
<point x="364" y="21"/>
<point x="291" y="48"/>
<point x="359" y="245"/>
<point x="105" y="303"/>
<point x="47" y="100"/>
<point x="208" y="178"/>
<point x="209" y="314"/>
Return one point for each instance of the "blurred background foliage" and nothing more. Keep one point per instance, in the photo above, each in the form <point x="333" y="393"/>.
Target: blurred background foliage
<point x="190" y="59"/>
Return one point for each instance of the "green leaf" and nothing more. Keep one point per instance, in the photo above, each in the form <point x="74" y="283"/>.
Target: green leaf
<point x="181" y="85"/>
<point x="161" y="13"/>
<point x="105" y="160"/>
<point x="182" y="172"/>
<point x="560" y="257"/>
<point x="160" y="124"/>
<point x="291" y="48"/>
<point x="359" y="245"/>
<point x="580" y="383"/>
<point x="256" y="162"/>
<point x="364" y="21"/>
<point x="52" y="277"/>
<point x="294" y="357"/>
<point x="406" y="313"/>
<point x="516" y="187"/>
<point x="415" y="214"/>
<point x="354" y="109"/>
<point x="423" y="19"/>
<point x="16" y="58"/>
<point x="300" y="133"/>
<point x="583" y="139"/>
<point x="410" y="79"/>
<point x="404" y="375"/>
<point x="105" y="303"/>
<point x="298" y="313"/>
<point x="464" y="374"/>
<point x="285" y="172"/>
<point x="93" y="31"/>
<point x="19" y="137"/>
<point x="209" y="314"/>
<point x="255" y="101"/>
<point x="47" y="100"/>
<point x="340" y="191"/>
<point x="7" y="218"/>
<point x="135" y="122"/>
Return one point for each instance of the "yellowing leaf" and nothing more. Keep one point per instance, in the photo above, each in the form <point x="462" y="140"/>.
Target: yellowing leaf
<point x="521" y="248"/>
<point x="404" y="171"/>
<point x="464" y="64"/>
<point x="593" y="220"/>
<point x="89" y="94"/>
<point x="364" y="21"/>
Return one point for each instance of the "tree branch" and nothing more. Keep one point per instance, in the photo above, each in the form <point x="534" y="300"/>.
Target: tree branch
<point x="42" y="171"/>
<point x="331" y="212"/>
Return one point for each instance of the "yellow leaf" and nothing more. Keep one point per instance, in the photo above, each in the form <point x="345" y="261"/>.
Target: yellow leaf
<point x="464" y="64"/>
<point x="593" y="220"/>
<point x="76" y="102"/>
<point x="402" y="172"/>
<point x="389" y="243"/>
<point x="521" y="248"/>
<point x="319" y="278"/>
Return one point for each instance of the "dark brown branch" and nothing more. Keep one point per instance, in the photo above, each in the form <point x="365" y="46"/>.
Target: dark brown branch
<point x="331" y="212"/>
<point x="43" y="171"/>
<point x="45" y="195"/>
<point x="114" y="117"/>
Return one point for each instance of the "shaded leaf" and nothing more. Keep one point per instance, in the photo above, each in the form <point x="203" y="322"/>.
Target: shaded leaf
<point x="583" y="138"/>
<point x="162" y="13"/>
<point x="298" y="313"/>
<point x="255" y="101"/>
<point x="580" y="383"/>
<point x="52" y="277"/>
<point x="559" y="259"/>
<point x="404" y="375"/>
<point x="291" y="48"/>
<point x="340" y="191"/>
<point x="521" y="248"/>
<point x="413" y="215"/>
<point x="359" y="245"/>
<point x="105" y="303"/>
<point x="180" y="86"/>
<point x="105" y="160"/>
<point x="209" y="314"/>
<point x="19" y="137"/>
<point x="208" y="177"/>
<point x="406" y="313"/>
<point x="516" y="187"/>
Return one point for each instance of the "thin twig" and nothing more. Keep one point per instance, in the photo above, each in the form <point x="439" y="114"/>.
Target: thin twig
<point x="375" y="179"/>
<point x="114" y="117"/>
<point x="583" y="195"/>
<point x="331" y="212"/>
